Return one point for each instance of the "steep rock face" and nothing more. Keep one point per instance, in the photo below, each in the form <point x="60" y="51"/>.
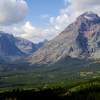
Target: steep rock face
<point x="26" y="46"/>
<point x="80" y="39"/>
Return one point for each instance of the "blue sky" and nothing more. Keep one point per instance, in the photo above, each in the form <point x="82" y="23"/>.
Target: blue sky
<point x="39" y="8"/>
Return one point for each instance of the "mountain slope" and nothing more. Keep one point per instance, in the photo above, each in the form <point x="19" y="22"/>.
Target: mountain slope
<point x="8" y="49"/>
<point x="80" y="39"/>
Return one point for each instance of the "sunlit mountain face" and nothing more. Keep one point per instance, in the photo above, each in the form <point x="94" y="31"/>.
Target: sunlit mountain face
<point x="79" y="40"/>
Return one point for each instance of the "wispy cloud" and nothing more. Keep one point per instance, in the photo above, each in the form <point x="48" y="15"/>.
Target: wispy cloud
<point x="12" y="11"/>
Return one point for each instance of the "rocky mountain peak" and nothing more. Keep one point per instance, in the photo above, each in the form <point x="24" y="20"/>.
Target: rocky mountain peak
<point x="89" y="17"/>
<point x="81" y="39"/>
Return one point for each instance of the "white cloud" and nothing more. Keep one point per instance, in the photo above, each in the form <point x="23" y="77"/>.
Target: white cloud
<point x="12" y="11"/>
<point x="30" y="32"/>
<point x="85" y="5"/>
<point x="35" y="34"/>
<point x="59" y="22"/>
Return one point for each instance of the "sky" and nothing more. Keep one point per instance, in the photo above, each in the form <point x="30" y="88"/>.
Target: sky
<point x="39" y="10"/>
<point x="38" y="20"/>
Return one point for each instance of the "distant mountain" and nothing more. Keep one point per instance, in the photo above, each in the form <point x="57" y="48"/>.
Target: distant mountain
<point x="27" y="46"/>
<point x="8" y="49"/>
<point x="12" y="48"/>
<point x="81" y="39"/>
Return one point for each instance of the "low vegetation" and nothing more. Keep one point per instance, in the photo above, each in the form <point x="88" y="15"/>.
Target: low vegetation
<point x="89" y="90"/>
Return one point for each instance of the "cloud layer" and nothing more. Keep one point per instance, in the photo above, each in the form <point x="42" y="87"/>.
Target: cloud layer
<point x="85" y="5"/>
<point x="12" y="11"/>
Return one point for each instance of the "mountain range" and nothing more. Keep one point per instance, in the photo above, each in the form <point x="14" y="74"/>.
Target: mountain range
<point x="13" y="48"/>
<point x="81" y="40"/>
